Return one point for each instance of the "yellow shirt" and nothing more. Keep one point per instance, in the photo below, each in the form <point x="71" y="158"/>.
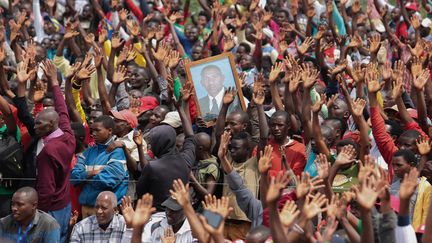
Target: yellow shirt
<point x="422" y="203"/>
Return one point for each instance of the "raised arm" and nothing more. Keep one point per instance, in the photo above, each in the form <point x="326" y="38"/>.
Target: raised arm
<point x="60" y="105"/>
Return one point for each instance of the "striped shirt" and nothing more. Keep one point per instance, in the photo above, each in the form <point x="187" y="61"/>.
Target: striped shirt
<point x="183" y="235"/>
<point x="88" y="230"/>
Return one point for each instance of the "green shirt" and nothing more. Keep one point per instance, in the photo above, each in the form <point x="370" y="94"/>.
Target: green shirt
<point x="206" y="168"/>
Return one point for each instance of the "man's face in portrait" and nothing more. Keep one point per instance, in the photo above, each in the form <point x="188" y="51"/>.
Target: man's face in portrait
<point x="212" y="79"/>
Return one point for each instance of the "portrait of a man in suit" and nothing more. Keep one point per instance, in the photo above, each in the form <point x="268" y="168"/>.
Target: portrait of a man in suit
<point x="212" y="79"/>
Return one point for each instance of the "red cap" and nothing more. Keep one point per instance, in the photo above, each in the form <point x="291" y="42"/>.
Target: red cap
<point x="411" y="6"/>
<point x="126" y="115"/>
<point x="148" y="103"/>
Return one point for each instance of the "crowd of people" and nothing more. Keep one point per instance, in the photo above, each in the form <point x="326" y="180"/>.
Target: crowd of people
<point x="324" y="138"/>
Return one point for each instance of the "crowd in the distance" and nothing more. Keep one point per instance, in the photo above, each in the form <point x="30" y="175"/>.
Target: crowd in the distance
<point x="103" y="137"/>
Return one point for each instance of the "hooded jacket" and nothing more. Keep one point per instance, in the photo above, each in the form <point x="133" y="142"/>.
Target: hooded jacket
<point x="112" y="177"/>
<point x="157" y="177"/>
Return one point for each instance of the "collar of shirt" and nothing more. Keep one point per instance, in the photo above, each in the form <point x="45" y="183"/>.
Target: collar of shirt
<point x="35" y="219"/>
<point x="114" y="224"/>
<point x="185" y="228"/>
<point x="218" y="98"/>
<point x="57" y="133"/>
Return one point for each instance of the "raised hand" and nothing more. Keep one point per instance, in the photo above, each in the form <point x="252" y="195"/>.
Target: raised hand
<point x="267" y="16"/>
<point x="356" y="7"/>
<point x="72" y="70"/>
<point x="305" y="185"/>
<point x="161" y="52"/>
<point x="138" y="138"/>
<point x="220" y="206"/>
<point x="39" y="91"/>
<point x="418" y="49"/>
<point x="323" y="166"/>
<point x="367" y="168"/>
<point x="409" y="184"/>
<point x="304" y="47"/>
<point x="416" y="66"/>
<point x="321" y="31"/>
<point x="229" y="96"/>
<point x="70" y="31"/>
<point x="358" y="106"/>
<point x="331" y="227"/>
<point x="116" y="41"/>
<point x="373" y="85"/>
<point x="15" y="28"/>
<point x="309" y="76"/>
<point x="127" y="210"/>
<point x="314" y="205"/>
<point x="258" y="95"/>
<point x="355" y="41"/>
<point x="89" y="39"/>
<point x="339" y="68"/>
<point x="332" y="99"/>
<point x="85" y="71"/>
<point x="386" y="71"/>
<point x="169" y="236"/>
<point x="368" y="193"/>
<point x="143" y="211"/>
<point x="22" y="71"/>
<point x="289" y="214"/>
<point x="374" y="43"/>
<point x="123" y="13"/>
<point x="228" y="42"/>
<point x="265" y="161"/>
<point x="103" y="36"/>
<point x="294" y="80"/>
<point x="420" y="81"/>
<point x="397" y="88"/>
<point x="275" y="71"/>
<point x="120" y="75"/>
<point x="398" y="70"/>
<point x="133" y="27"/>
<point x="253" y="5"/>
<point x="318" y="104"/>
<point x="276" y="185"/>
<point x="180" y="192"/>
<point x="346" y="155"/>
<point x="50" y="71"/>
<point x="423" y="145"/>
<point x="186" y="91"/>
<point x="223" y="147"/>
<point x="174" y="59"/>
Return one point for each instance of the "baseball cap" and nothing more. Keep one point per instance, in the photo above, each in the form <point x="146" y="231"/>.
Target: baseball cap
<point x="172" y="118"/>
<point x="148" y="103"/>
<point x="426" y="22"/>
<point x="411" y="6"/>
<point x="268" y="33"/>
<point x="172" y="204"/>
<point x="127" y="116"/>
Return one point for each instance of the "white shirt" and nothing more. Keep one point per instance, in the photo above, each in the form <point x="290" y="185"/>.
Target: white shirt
<point x="218" y="97"/>
<point x="183" y="235"/>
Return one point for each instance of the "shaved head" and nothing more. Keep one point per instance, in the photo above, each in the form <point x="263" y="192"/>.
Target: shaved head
<point x="46" y="122"/>
<point x="29" y="193"/>
<point x="204" y="140"/>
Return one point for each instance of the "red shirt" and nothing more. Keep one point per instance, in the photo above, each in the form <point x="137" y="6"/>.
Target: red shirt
<point x="384" y="141"/>
<point x="295" y="154"/>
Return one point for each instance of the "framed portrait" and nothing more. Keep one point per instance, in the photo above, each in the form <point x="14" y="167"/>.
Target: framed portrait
<point x="211" y="77"/>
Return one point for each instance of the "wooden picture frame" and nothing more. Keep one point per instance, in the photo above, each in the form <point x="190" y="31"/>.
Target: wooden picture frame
<point x="214" y="69"/>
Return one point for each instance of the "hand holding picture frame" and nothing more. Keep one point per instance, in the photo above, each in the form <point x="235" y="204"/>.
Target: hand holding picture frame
<point x="211" y="78"/>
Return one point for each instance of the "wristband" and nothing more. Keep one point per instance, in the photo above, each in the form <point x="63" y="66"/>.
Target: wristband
<point x="298" y="229"/>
